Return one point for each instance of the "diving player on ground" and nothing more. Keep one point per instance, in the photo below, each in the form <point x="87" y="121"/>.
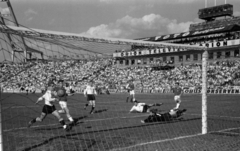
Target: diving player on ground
<point x="168" y="116"/>
<point x="142" y="107"/>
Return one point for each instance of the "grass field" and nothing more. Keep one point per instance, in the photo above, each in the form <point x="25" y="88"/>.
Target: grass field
<point x="111" y="127"/>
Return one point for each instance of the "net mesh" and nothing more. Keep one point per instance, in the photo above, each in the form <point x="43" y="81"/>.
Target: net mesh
<point x="77" y="60"/>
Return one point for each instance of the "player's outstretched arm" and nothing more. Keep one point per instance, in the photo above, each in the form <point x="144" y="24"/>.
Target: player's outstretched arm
<point x="85" y="93"/>
<point x="95" y="92"/>
<point x="39" y="100"/>
<point x="132" y="109"/>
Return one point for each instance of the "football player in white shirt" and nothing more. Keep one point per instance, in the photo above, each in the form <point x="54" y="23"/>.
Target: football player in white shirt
<point x="142" y="107"/>
<point x="90" y="93"/>
<point x="49" y="108"/>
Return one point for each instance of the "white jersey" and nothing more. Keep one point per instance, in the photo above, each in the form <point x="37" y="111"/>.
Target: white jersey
<point x="47" y="97"/>
<point x="90" y="90"/>
<point x="138" y="107"/>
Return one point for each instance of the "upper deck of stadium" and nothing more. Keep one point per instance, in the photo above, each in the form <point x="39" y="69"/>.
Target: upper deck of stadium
<point x="219" y="33"/>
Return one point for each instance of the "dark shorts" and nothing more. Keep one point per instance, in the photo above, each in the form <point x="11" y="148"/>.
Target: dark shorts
<point x="48" y="109"/>
<point x="145" y="107"/>
<point x="90" y="97"/>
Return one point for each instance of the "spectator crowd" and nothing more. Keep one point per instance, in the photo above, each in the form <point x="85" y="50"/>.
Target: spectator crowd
<point x="35" y="75"/>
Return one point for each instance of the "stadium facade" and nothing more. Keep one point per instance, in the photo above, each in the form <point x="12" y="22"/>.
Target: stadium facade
<point x="220" y="33"/>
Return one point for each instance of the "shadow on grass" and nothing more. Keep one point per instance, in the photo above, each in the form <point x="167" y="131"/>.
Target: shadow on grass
<point x="100" y="111"/>
<point x="76" y="122"/>
<point x="69" y="136"/>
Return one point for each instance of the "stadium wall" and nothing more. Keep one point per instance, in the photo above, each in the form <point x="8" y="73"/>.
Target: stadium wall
<point x="235" y="90"/>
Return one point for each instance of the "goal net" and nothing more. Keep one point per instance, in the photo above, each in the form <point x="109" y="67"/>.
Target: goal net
<point x="32" y="57"/>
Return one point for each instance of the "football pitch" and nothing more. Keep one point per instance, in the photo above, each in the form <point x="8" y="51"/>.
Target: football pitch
<point x="113" y="128"/>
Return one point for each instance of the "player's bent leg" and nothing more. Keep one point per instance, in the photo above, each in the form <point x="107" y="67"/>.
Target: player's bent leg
<point x="178" y="102"/>
<point x="86" y="105"/>
<point x="127" y="98"/>
<point x="61" y="111"/>
<point x="60" y="119"/>
<point x="57" y="115"/>
<point x="62" y="104"/>
<point x="93" y="106"/>
<point x="68" y="114"/>
<point x="133" y="97"/>
<point x="42" y="117"/>
<point x="38" y="119"/>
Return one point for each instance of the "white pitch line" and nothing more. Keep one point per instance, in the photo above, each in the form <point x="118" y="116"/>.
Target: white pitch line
<point x="228" y="129"/>
<point x="234" y="117"/>
<point x="158" y="141"/>
<point x="177" y="138"/>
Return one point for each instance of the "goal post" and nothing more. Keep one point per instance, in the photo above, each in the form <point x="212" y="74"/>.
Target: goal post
<point x="204" y="91"/>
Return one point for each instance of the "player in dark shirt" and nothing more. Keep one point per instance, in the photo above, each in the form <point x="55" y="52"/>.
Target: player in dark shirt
<point x="167" y="116"/>
<point x="130" y="87"/>
<point x="63" y="100"/>
<point x="177" y="90"/>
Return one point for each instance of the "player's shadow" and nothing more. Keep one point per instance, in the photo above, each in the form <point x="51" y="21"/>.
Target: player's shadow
<point x="75" y="123"/>
<point x="70" y="135"/>
<point x="100" y="111"/>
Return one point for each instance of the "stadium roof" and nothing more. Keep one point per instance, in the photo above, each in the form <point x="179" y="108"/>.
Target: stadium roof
<point x="87" y="43"/>
<point x="192" y="33"/>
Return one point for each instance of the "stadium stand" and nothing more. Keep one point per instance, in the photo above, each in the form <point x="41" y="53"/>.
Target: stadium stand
<point x="221" y="74"/>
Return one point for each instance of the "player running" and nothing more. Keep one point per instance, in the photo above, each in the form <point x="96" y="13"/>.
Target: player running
<point x="142" y="107"/>
<point x="177" y="90"/>
<point x="168" y="116"/>
<point x="49" y="108"/>
<point x="63" y="100"/>
<point x="130" y="87"/>
<point x="90" y="93"/>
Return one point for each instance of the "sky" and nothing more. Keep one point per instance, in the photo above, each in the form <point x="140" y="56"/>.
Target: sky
<point x="128" y="19"/>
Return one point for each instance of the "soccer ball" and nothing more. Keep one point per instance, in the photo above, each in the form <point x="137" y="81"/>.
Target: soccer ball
<point x="60" y="93"/>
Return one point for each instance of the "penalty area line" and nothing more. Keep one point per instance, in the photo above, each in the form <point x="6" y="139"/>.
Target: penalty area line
<point x="178" y="138"/>
<point x="158" y="141"/>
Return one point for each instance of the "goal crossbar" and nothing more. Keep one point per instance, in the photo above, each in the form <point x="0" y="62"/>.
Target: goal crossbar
<point x="73" y="38"/>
